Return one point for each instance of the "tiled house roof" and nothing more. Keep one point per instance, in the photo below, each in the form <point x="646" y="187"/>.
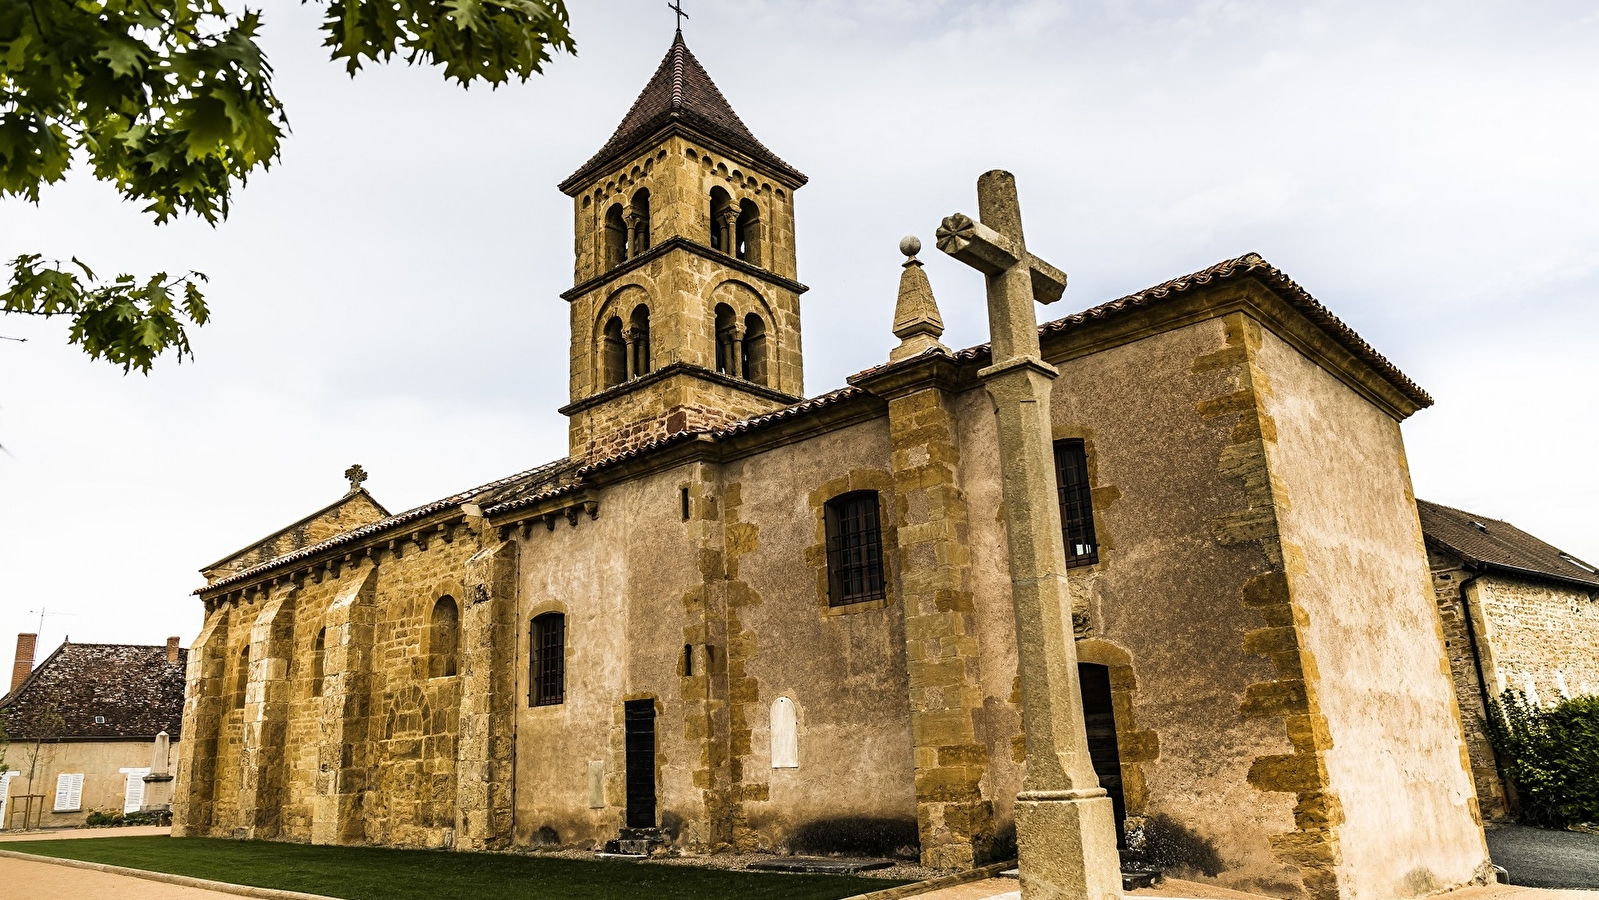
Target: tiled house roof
<point x="1491" y="543"/>
<point x="133" y="687"/>
<point x="681" y="91"/>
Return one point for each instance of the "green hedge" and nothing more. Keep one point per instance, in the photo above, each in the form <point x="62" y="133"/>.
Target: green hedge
<point x="1550" y="756"/>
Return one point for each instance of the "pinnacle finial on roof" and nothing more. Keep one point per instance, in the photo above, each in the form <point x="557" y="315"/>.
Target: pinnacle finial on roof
<point x="356" y="475"/>
<point x="677" y="7"/>
<point x="917" y="323"/>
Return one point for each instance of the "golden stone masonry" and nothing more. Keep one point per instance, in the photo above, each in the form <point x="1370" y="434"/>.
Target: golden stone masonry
<point x="734" y="618"/>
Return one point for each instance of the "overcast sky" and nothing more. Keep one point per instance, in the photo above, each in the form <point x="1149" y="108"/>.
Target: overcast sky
<point x="388" y="293"/>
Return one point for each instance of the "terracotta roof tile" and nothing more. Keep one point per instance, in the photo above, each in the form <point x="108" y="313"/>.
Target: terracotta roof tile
<point x="132" y="686"/>
<point x="681" y="91"/>
<point x="1495" y="544"/>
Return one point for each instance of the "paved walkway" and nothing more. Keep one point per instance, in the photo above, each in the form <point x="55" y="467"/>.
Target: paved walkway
<point x="27" y="880"/>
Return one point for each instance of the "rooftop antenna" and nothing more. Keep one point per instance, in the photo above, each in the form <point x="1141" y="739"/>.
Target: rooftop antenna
<point x="7" y="337"/>
<point x="41" y="612"/>
<point x="677" y="7"/>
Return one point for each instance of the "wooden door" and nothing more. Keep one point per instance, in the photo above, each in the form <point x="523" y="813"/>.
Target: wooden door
<point x="639" y="719"/>
<point x="1100" y="718"/>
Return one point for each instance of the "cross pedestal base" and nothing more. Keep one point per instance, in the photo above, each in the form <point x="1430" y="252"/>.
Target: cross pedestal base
<point x="1066" y="846"/>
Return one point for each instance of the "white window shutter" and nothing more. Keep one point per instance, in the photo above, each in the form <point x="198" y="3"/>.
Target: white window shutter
<point x="5" y="795"/>
<point x="63" y="793"/>
<point x="133" y="795"/>
<point x="77" y="791"/>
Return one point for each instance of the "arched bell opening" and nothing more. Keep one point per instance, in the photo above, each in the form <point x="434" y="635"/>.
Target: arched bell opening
<point x="613" y="354"/>
<point x="755" y="363"/>
<point x="727" y="354"/>
<point x="749" y="232"/>
<point x="637" y="219"/>
<point x="724" y="219"/>
<point x="615" y="236"/>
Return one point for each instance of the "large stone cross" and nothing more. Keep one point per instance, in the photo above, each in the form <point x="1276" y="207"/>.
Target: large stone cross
<point x="1065" y="834"/>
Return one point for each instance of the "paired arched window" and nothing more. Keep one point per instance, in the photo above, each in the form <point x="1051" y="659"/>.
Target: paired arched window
<point x="741" y="345"/>
<point x="444" y="638"/>
<point x="735" y="227"/>
<point x="547" y="660"/>
<point x="319" y="655"/>
<point x="241" y="677"/>
<point x="854" y="549"/>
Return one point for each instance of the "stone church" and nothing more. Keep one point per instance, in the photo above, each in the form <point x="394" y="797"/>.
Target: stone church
<point x="735" y="617"/>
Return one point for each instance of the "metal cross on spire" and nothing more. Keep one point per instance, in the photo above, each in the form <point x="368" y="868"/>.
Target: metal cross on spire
<point x="677" y="7"/>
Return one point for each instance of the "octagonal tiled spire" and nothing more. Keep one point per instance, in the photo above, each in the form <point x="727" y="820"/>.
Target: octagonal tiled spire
<point x="682" y="92"/>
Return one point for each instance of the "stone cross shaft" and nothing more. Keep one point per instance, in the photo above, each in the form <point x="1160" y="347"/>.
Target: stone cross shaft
<point x="1066" y="837"/>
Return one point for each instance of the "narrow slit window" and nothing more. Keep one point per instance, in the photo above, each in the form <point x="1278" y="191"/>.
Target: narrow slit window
<point x="854" y="549"/>
<point x="683" y="497"/>
<point x="1076" y="504"/>
<point x="688" y="660"/>
<point x="548" y="676"/>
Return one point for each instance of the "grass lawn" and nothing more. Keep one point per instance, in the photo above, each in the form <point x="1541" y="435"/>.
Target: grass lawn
<point x="371" y="873"/>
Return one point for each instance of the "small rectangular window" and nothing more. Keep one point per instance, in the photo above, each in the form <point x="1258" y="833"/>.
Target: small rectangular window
<point x="688" y="660"/>
<point x="1076" y="504"/>
<point x="684" y="497"/>
<point x="854" y="549"/>
<point x="547" y="638"/>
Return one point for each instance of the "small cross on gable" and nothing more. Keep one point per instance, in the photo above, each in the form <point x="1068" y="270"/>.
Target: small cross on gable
<point x="677" y="7"/>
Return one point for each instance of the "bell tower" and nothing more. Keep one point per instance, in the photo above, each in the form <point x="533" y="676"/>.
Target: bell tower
<point x="685" y="310"/>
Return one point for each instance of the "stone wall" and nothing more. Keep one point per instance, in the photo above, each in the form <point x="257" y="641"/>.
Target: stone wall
<point x="1538" y="637"/>
<point x="367" y="751"/>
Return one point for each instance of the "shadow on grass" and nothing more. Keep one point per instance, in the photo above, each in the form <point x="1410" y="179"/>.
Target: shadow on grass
<point x="371" y="873"/>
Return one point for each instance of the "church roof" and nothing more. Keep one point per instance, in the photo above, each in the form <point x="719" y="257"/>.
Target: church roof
<point x="1494" y="544"/>
<point x="544" y="478"/>
<point x="132" y="687"/>
<point x="1250" y="265"/>
<point x="681" y="92"/>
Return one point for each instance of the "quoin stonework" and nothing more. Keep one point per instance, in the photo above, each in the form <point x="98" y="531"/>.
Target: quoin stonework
<point x="735" y="617"/>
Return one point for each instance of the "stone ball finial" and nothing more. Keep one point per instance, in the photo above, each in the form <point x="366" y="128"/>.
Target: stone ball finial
<point x="910" y="245"/>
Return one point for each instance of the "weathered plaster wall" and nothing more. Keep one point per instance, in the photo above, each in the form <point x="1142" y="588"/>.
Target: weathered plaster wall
<point x="97" y="761"/>
<point x="843" y="667"/>
<point x="1168" y="607"/>
<point x="641" y="582"/>
<point x="1371" y="635"/>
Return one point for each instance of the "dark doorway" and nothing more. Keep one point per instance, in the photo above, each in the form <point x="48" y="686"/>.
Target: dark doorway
<point x="1100" y="718"/>
<point x="640" y="720"/>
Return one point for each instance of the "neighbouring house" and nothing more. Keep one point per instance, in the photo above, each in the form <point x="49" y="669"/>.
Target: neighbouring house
<point x="94" y="728"/>
<point x="733" y="617"/>
<point x="1518" y="613"/>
